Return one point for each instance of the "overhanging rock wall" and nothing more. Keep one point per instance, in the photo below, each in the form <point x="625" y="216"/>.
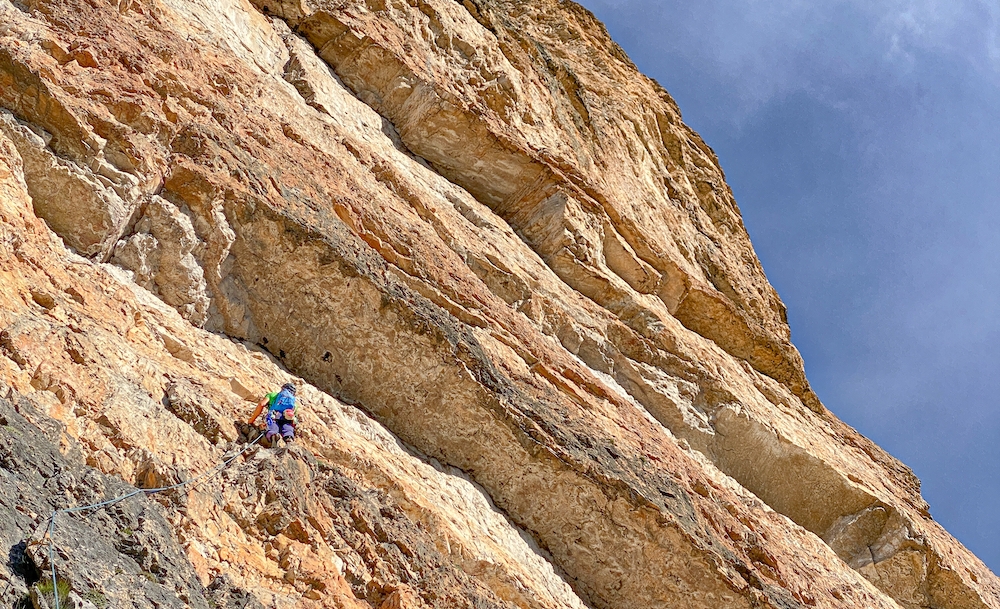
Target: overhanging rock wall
<point x="479" y="224"/>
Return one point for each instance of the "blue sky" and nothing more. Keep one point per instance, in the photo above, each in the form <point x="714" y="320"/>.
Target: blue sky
<point x="861" y="141"/>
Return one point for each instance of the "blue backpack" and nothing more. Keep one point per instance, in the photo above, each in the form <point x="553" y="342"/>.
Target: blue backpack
<point x="283" y="401"/>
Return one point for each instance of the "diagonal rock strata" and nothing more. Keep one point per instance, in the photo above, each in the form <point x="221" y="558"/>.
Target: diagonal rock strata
<point x="422" y="87"/>
<point x="353" y="520"/>
<point x="548" y="290"/>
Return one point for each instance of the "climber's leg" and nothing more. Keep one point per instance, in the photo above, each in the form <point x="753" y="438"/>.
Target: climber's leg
<point x="287" y="431"/>
<point x="272" y="427"/>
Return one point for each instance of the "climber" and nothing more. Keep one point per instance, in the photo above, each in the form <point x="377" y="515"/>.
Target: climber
<point x="280" y="417"/>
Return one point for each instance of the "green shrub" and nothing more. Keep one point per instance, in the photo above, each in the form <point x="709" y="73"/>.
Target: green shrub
<point x="97" y="597"/>
<point x="44" y="589"/>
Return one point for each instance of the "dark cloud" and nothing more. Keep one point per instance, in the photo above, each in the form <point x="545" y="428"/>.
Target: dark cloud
<point x="861" y="141"/>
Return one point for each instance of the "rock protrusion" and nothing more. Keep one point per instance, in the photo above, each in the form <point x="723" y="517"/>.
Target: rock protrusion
<point x="481" y="225"/>
<point x="161" y="252"/>
<point x="84" y="209"/>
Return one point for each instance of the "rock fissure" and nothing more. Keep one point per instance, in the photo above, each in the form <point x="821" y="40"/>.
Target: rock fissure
<point x="324" y="39"/>
<point x="342" y="28"/>
<point x="274" y="205"/>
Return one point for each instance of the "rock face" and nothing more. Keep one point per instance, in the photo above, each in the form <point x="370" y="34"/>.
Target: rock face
<point x="540" y="363"/>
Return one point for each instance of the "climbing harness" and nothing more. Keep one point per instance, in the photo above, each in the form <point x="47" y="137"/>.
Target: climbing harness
<point x="142" y="491"/>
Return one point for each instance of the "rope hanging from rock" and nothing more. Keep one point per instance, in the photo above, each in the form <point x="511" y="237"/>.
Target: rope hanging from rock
<point x="142" y="491"/>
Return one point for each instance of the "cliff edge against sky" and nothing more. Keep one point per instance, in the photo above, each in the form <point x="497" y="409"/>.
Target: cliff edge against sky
<point x="541" y="363"/>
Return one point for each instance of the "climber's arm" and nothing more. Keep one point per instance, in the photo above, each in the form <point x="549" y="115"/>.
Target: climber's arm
<point x="258" y="410"/>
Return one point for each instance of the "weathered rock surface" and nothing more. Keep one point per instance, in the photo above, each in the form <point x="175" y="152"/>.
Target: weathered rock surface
<point x="475" y="222"/>
<point x="124" y="556"/>
<point x="353" y="520"/>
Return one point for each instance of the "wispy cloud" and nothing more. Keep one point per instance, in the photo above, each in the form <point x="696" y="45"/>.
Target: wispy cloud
<point x="860" y="137"/>
<point x="770" y="48"/>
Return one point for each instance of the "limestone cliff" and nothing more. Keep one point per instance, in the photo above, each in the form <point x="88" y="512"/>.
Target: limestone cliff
<point x="541" y="364"/>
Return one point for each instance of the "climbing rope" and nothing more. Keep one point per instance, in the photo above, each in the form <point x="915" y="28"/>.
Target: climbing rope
<point x="142" y="491"/>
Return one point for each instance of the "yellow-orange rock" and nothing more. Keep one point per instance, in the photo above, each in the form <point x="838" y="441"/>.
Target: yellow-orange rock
<point x="474" y="223"/>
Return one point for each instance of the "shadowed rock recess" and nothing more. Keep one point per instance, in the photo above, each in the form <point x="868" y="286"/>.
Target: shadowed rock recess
<point x="541" y="365"/>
